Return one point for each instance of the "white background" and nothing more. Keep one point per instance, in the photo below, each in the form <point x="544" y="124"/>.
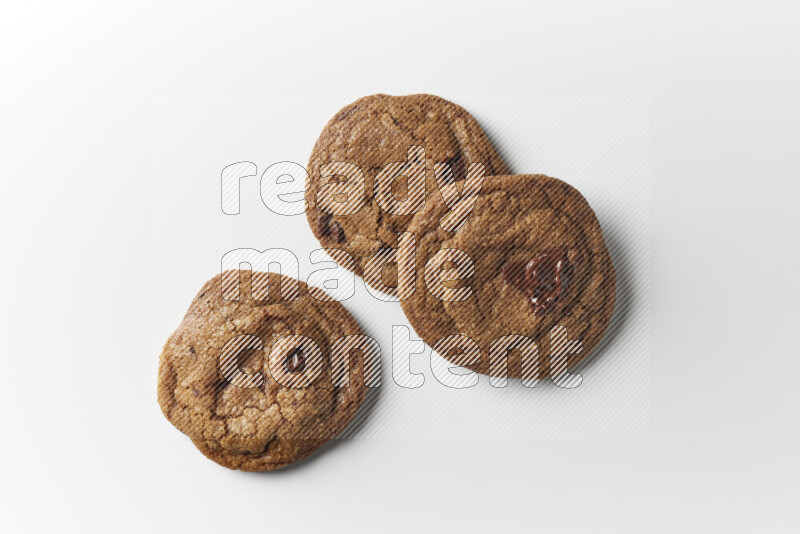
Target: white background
<point x="81" y="448"/>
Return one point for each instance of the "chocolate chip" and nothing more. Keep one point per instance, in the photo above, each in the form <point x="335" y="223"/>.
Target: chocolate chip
<point x="295" y="361"/>
<point x="326" y="228"/>
<point x="458" y="169"/>
<point x="337" y="232"/>
<point x="323" y="224"/>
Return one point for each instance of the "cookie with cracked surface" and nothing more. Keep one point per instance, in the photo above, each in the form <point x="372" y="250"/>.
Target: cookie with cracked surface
<point x="365" y="176"/>
<point x="532" y="263"/>
<point x="253" y="382"/>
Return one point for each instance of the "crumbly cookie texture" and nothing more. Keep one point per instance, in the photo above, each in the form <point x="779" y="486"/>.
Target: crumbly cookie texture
<point x="376" y="131"/>
<point x="540" y="261"/>
<point x="266" y="425"/>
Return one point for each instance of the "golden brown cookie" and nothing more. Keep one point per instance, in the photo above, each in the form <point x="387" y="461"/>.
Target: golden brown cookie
<point x="355" y="204"/>
<point x="530" y="261"/>
<point x="253" y="383"/>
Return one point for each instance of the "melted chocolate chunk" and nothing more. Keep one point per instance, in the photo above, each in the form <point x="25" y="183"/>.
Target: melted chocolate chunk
<point x="295" y="361"/>
<point x="543" y="279"/>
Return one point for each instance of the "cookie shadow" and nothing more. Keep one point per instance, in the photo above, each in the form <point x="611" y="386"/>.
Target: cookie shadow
<point x="626" y="297"/>
<point x="492" y="136"/>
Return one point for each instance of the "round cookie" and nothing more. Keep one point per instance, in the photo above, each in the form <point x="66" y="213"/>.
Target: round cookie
<point x="370" y="134"/>
<point x="251" y="395"/>
<point x="533" y="263"/>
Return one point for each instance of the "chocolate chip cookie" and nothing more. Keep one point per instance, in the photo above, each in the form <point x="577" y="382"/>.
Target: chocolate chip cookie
<point x="372" y="169"/>
<point x="524" y="288"/>
<point x="259" y="384"/>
